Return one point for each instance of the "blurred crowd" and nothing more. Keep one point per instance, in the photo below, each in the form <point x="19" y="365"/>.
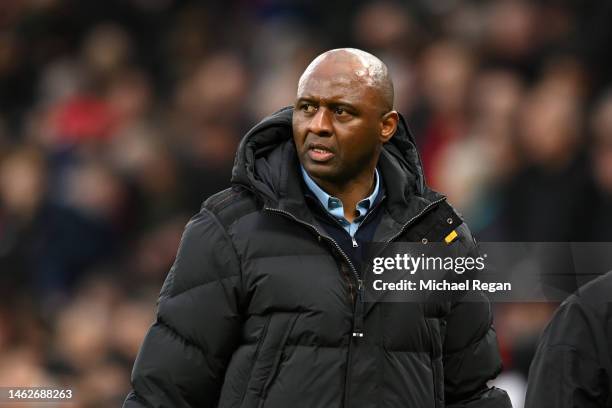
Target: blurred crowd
<point x="118" y="118"/>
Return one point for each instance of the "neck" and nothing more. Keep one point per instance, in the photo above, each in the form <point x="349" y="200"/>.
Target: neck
<point x="351" y="192"/>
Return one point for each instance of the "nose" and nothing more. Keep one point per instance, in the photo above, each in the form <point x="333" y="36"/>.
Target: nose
<point x="321" y="124"/>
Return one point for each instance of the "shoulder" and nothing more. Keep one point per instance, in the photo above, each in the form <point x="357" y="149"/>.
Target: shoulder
<point x="582" y="320"/>
<point x="443" y="223"/>
<point x="230" y="205"/>
<point x="206" y="242"/>
<point x="592" y="299"/>
<point x="596" y="293"/>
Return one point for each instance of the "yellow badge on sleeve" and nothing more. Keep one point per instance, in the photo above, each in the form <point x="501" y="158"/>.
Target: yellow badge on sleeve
<point x="451" y="237"/>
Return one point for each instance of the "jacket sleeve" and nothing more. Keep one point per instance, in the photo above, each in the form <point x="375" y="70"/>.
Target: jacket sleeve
<point x="568" y="367"/>
<point x="471" y="354"/>
<point x="183" y="358"/>
<point x="471" y="357"/>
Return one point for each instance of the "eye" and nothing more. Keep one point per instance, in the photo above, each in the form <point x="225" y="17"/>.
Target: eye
<point x="342" y="113"/>
<point x="308" y="108"/>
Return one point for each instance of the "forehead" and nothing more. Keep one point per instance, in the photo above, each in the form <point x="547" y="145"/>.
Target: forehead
<point x="337" y="82"/>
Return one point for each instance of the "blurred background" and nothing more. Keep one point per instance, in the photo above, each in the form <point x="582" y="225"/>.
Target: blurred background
<point x="118" y="118"/>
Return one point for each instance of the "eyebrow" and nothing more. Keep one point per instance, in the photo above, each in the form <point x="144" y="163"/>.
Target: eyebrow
<point x="332" y="103"/>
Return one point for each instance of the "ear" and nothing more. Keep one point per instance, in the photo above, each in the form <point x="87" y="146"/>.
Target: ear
<point x="388" y="125"/>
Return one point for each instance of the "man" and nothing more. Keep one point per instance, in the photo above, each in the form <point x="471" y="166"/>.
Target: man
<point x="573" y="363"/>
<point x="264" y="305"/>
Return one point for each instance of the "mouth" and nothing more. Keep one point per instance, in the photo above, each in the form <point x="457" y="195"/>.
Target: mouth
<point x="320" y="153"/>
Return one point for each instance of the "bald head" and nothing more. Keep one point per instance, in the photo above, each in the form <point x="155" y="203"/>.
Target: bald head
<point x="356" y="66"/>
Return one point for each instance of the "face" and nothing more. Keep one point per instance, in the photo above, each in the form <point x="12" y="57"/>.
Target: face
<point x="339" y="123"/>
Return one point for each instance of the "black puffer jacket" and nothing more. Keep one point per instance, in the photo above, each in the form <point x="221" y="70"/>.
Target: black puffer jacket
<point x="259" y="307"/>
<point x="572" y="367"/>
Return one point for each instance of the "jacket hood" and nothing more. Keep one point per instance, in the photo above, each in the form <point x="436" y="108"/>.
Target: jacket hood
<point x="266" y="162"/>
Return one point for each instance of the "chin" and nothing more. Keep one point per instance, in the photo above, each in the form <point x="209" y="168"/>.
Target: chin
<point x="315" y="170"/>
<point x="320" y="171"/>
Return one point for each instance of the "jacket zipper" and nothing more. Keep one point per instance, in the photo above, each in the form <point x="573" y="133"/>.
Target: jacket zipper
<point x="358" y="320"/>
<point x="370" y="211"/>
<point x="359" y="304"/>
<point x="313" y="228"/>
<point x="358" y="323"/>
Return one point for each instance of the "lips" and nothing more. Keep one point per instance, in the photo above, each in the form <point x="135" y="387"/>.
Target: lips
<point x="320" y="153"/>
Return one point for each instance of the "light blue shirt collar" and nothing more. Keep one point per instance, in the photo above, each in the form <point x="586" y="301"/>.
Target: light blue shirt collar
<point x="334" y="206"/>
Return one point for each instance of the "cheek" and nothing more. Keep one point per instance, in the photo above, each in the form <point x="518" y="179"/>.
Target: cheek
<point x="363" y="136"/>
<point x="367" y="146"/>
<point x="356" y="142"/>
<point x="298" y="133"/>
